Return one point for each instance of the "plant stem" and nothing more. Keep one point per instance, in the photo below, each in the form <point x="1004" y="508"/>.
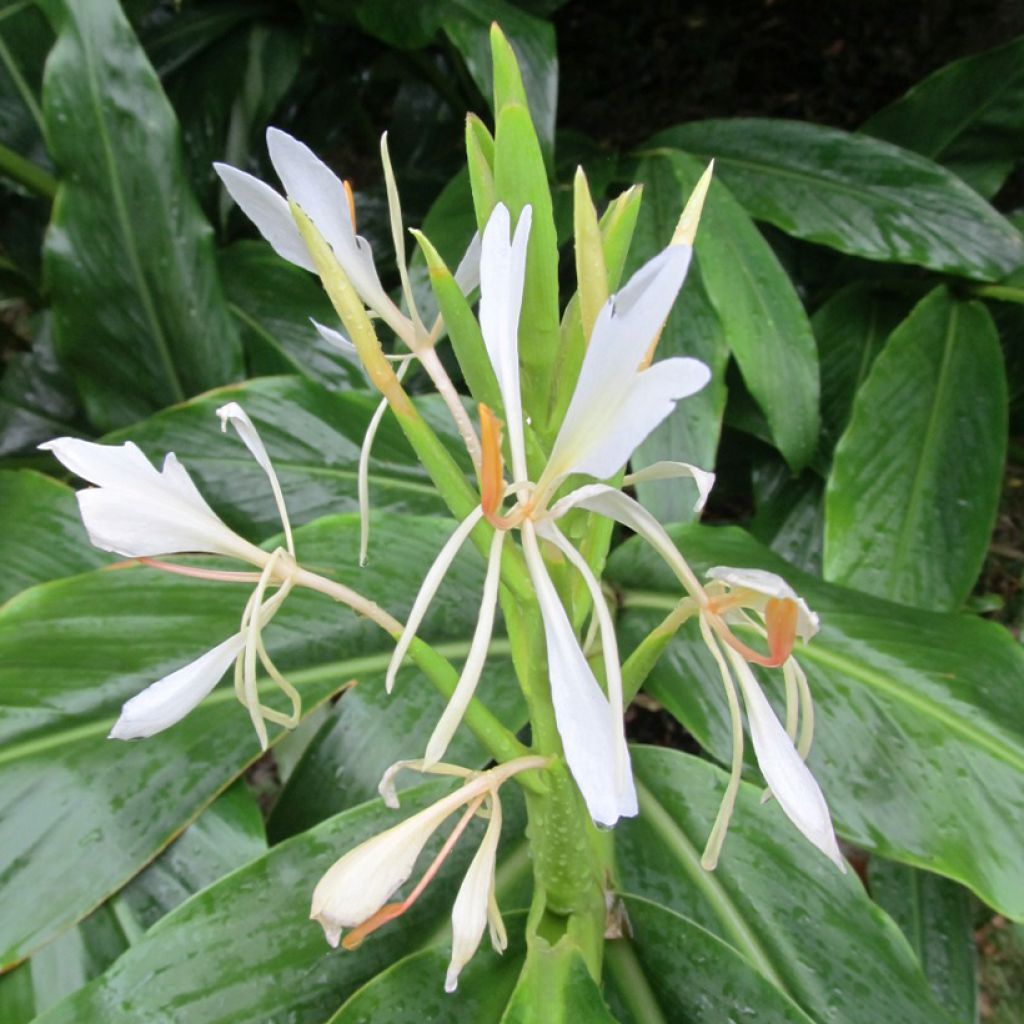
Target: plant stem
<point x="24" y="172"/>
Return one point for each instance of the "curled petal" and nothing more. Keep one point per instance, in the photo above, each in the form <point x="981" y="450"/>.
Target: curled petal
<point x="676" y="471"/>
<point x="763" y="587"/>
<point x="789" y="779"/>
<point x="170" y="699"/>
<point x="470" y="913"/>
<point x="584" y="718"/>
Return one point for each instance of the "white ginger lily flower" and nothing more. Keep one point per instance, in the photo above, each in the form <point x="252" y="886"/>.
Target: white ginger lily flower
<point x="780" y="615"/>
<point x="616" y="404"/>
<point x="354" y="892"/>
<point x="138" y="511"/>
<point x="329" y="204"/>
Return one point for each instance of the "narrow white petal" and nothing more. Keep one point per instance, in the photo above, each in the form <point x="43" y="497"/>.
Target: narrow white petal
<point x="581" y="711"/>
<point x="467" y="273"/>
<point x="428" y="588"/>
<point x="170" y="699"/>
<point x="676" y="471"/>
<point x="470" y="910"/>
<point x="502" y="272"/>
<point x="610" y="424"/>
<point x="609" y="645"/>
<point x="234" y="414"/>
<point x="333" y="337"/>
<point x="471" y="671"/>
<point x="767" y="585"/>
<point x="789" y="779"/>
<point x="269" y="212"/>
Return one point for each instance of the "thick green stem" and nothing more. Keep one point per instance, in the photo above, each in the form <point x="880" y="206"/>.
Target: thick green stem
<point x="24" y="172"/>
<point x="639" y="664"/>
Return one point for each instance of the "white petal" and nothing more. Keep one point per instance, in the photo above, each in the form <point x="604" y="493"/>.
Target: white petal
<point x="467" y="273"/>
<point x="502" y="272"/>
<point x="333" y="337"/>
<point x="704" y="479"/>
<point x="105" y="465"/>
<point x="269" y="212"/>
<point x="789" y="779"/>
<point x="470" y="911"/>
<point x="768" y="584"/>
<point x="610" y="424"/>
<point x="474" y="666"/>
<point x="581" y="711"/>
<point x="627" y="324"/>
<point x="234" y="414"/>
<point x="170" y="699"/>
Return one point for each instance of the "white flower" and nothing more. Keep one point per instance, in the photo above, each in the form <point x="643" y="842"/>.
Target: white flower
<point x="354" y="892"/>
<point x="616" y="404"/>
<point x="141" y="512"/>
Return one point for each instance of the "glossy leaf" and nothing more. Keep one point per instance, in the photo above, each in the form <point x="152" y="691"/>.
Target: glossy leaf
<point x="967" y="115"/>
<point x="313" y="436"/>
<point x="789" y="514"/>
<point x="760" y="313"/>
<point x="809" y="930"/>
<point x="917" y="475"/>
<point x="935" y="914"/>
<point x="140" y="317"/>
<point x="555" y="987"/>
<point x="245" y="949"/>
<point x="73" y="650"/>
<point x="272" y="302"/>
<point x="919" y="734"/>
<point x="690" y="434"/>
<point x="855" y="194"/>
<point x="41" y="534"/>
<point x="850" y="327"/>
<point x="25" y="39"/>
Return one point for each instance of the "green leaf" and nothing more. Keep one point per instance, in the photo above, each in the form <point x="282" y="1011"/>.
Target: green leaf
<point x="467" y="23"/>
<point x="935" y="915"/>
<point x="25" y="40"/>
<point x="272" y="302"/>
<point x="967" y="115"/>
<point x="41" y="534"/>
<point x="313" y="436"/>
<point x="245" y="949"/>
<point x="758" y="309"/>
<point x="916" y="477"/>
<point x="855" y="194"/>
<point x="789" y="514"/>
<point x="556" y="988"/>
<point x="690" y="434"/>
<point x="673" y="969"/>
<point x="809" y="930"/>
<point x="140" y="317"/>
<point x="919" y="734"/>
<point x="851" y="328"/>
<point x="72" y="651"/>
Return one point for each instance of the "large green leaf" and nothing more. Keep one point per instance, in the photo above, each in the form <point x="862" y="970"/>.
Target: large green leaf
<point x="855" y="194"/>
<point x="690" y="434"/>
<point x="917" y="475"/>
<point x="272" y="301"/>
<point x="41" y="534"/>
<point x="764" y="322"/>
<point x="313" y="436"/>
<point x="935" y="914"/>
<point x="808" y="929"/>
<point x="969" y="115"/>
<point x="245" y="949"/>
<point x="73" y="650"/>
<point x="555" y="987"/>
<point x="140" y="317"/>
<point x="919" y="736"/>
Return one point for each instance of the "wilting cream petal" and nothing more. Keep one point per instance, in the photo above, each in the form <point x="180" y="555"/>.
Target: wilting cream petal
<point x="789" y="779"/>
<point x="170" y="699"/>
<point x="582" y="712"/>
<point x="763" y="586"/>
<point x="502" y="272"/>
<point x="470" y="911"/>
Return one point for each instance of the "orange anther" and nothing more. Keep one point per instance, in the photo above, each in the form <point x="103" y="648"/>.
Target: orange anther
<point x="351" y="202"/>
<point x="780" y="615"/>
<point x="491" y="465"/>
